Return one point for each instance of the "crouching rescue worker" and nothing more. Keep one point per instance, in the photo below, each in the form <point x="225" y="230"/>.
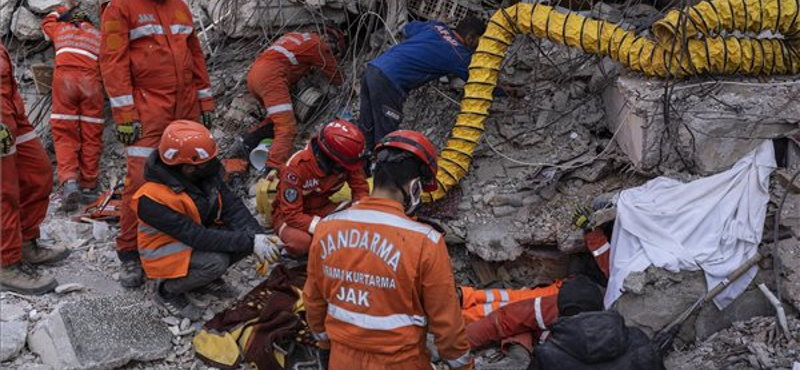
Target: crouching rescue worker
<point x="311" y="176"/>
<point x="26" y="178"/>
<point x="377" y="280"/>
<point x="290" y="58"/>
<point x="77" y="118"/>
<point x="192" y="227"/>
<point x="154" y="72"/>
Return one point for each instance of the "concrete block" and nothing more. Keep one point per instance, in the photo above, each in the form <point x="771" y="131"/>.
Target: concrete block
<point x="6" y="13"/>
<point x="43" y="6"/>
<point x="12" y="338"/>
<point x="710" y="126"/>
<point x="26" y="26"/>
<point x="250" y="18"/>
<point x="100" y="333"/>
<point x="492" y="241"/>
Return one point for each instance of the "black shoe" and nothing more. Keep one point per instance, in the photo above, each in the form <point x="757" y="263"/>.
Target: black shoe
<point x="220" y="289"/>
<point x="23" y="278"/>
<point x="131" y="274"/>
<point x="177" y="304"/>
<point x="70" y="196"/>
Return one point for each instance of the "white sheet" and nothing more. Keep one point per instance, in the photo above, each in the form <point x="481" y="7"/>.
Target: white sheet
<point x="714" y="223"/>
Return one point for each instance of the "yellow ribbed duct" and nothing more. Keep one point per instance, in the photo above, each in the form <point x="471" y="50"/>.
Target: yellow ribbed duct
<point x="675" y="53"/>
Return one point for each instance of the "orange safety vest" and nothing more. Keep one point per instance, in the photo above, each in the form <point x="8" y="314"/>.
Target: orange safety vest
<point x="162" y="255"/>
<point x="479" y="303"/>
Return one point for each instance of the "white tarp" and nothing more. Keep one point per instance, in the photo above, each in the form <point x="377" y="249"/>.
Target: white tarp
<point x="713" y="223"/>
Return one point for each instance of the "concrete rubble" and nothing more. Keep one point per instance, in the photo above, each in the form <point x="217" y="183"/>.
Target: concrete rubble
<point x="99" y="333"/>
<point x="26" y="26"/>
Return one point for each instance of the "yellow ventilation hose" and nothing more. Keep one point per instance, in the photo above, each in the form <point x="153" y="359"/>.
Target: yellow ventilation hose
<point x="699" y="50"/>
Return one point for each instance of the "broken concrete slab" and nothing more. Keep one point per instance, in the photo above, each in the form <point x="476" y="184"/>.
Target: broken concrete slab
<point x="6" y="14"/>
<point x="655" y="297"/>
<point x="250" y="18"/>
<point x="100" y="333"/>
<point x="710" y="134"/>
<point x="492" y="241"/>
<point x="26" y="26"/>
<point x="12" y="338"/>
<point x="13" y="311"/>
<point x="43" y="6"/>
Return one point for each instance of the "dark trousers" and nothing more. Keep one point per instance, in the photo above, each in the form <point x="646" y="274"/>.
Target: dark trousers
<point x="204" y="267"/>
<point x="265" y="130"/>
<point x="381" y="106"/>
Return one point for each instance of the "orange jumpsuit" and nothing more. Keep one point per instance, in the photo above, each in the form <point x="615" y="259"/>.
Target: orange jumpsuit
<point x="154" y="72"/>
<point x="598" y="244"/>
<point x="303" y="198"/>
<point x="521" y="322"/>
<point x="285" y="62"/>
<point x="377" y="282"/>
<point x="479" y="303"/>
<point x="77" y="117"/>
<point x="26" y="176"/>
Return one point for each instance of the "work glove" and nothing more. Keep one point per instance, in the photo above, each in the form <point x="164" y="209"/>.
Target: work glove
<point x="265" y="249"/>
<point x="207" y="118"/>
<point x="129" y="133"/>
<point x="582" y="218"/>
<point x="6" y="140"/>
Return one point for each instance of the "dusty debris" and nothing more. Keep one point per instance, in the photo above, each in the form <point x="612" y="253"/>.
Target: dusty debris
<point x="26" y="26"/>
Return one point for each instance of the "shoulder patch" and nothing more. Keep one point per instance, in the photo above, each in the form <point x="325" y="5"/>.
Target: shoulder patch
<point x="292" y="178"/>
<point x="290" y="195"/>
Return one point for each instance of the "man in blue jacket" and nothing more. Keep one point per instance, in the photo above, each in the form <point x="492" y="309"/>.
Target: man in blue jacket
<point x="430" y="50"/>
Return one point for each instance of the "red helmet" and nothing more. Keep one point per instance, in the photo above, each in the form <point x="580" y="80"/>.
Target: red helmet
<point x="336" y="37"/>
<point x="342" y="142"/>
<point x="416" y="143"/>
<point x="186" y="142"/>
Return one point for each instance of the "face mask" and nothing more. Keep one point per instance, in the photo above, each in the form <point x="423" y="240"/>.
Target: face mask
<point x="412" y="197"/>
<point x="206" y="170"/>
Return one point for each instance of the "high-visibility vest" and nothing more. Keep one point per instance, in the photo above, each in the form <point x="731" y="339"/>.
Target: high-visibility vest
<point x="162" y="255"/>
<point x="479" y="303"/>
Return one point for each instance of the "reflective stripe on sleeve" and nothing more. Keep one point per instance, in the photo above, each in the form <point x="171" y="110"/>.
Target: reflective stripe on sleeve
<point x="92" y="119"/>
<point x="372" y="322"/>
<point x="461" y="361"/>
<point x="139" y="151"/>
<point x="294" y="40"/>
<point x="544" y="336"/>
<point x="306" y="36"/>
<point x="121" y="101"/>
<point x="146" y="30"/>
<point x="163" y="251"/>
<point x="321" y="336"/>
<point x="288" y="54"/>
<point x="387" y="219"/>
<point x="65" y="117"/>
<point x="313" y="225"/>
<point x="489" y="296"/>
<point x="487" y="309"/>
<point x="601" y="250"/>
<point x="279" y="108"/>
<point x="77" y="51"/>
<point x="504" y="295"/>
<point x="204" y="94"/>
<point x="146" y="229"/>
<point x="181" y="29"/>
<point x="26" y="137"/>
<point x="537" y="306"/>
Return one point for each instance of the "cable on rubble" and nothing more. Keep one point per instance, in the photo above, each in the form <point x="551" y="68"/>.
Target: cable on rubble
<point x="701" y="50"/>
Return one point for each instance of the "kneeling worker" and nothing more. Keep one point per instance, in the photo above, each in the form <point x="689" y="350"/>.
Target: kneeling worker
<point x="377" y="280"/>
<point x="192" y="227"/>
<point x="311" y="176"/>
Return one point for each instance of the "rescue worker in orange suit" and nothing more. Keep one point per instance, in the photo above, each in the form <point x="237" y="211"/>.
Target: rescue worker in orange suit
<point x="520" y="325"/>
<point x="290" y="58"/>
<point x="154" y="73"/>
<point x="192" y="227"/>
<point x="308" y="180"/>
<point x="377" y="280"/>
<point x="77" y="117"/>
<point x="26" y="178"/>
